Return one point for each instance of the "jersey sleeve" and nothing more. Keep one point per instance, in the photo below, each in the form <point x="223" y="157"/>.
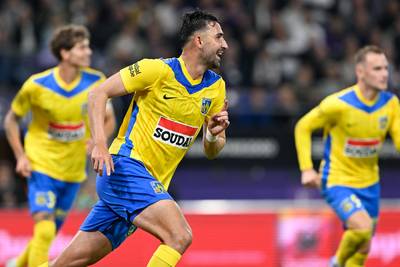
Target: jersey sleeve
<point x="394" y="129"/>
<point x="219" y="100"/>
<point x="21" y="103"/>
<point x="142" y="74"/>
<point x="322" y="115"/>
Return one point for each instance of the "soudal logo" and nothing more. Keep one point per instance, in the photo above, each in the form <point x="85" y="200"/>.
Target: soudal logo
<point x="362" y="148"/>
<point x="66" y="132"/>
<point x="174" y="133"/>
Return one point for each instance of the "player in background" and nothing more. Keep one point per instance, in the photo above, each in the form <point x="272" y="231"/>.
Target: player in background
<point x="355" y="122"/>
<point x="174" y="99"/>
<point x="53" y="157"/>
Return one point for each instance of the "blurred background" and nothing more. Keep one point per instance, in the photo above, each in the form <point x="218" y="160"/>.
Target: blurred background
<point x="284" y="57"/>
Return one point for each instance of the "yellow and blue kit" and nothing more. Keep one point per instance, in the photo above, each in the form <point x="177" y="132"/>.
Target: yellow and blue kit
<point x="56" y="139"/>
<point x="354" y="129"/>
<point x="55" y="142"/>
<point x="167" y="112"/>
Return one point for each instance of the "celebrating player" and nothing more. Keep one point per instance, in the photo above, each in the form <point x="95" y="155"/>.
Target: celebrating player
<point x="53" y="157"/>
<point x="173" y="99"/>
<point x="355" y="122"/>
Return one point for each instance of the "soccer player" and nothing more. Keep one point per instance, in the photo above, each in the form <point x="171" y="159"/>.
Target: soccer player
<point x="173" y="100"/>
<point x="53" y="156"/>
<point x="355" y="122"/>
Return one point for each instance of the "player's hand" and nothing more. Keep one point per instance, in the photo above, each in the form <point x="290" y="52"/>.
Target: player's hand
<point x="23" y="166"/>
<point x="310" y="178"/>
<point x="100" y="158"/>
<point x="220" y="121"/>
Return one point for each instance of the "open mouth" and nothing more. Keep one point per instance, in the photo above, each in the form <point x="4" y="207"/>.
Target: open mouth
<point x="220" y="54"/>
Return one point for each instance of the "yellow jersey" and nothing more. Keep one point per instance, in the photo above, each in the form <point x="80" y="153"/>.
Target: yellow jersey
<point x="166" y="114"/>
<point x="353" y="131"/>
<point x="55" y="142"/>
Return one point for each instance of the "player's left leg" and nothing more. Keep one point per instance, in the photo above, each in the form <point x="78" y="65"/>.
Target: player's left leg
<point x="370" y="200"/>
<point x="356" y="239"/>
<point x="356" y="208"/>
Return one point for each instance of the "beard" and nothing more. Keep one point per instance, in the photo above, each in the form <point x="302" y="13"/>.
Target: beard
<point x="213" y="62"/>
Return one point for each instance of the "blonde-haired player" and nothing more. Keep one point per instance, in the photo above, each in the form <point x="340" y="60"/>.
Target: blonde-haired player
<point x="355" y="122"/>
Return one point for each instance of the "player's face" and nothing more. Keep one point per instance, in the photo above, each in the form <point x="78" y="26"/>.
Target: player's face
<point x="79" y="55"/>
<point x="374" y="71"/>
<point x="214" y="45"/>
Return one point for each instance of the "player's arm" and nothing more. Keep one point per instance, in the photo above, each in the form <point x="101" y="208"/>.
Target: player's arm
<point x="137" y="77"/>
<point x="214" y="137"/>
<point x="97" y="100"/>
<point x="395" y="125"/>
<point x="12" y="129"/>
<point x="109" y="126"/>
<point x="19" y="107"/>
<point x="109" y="121"/>
<point x="315" y="119"/>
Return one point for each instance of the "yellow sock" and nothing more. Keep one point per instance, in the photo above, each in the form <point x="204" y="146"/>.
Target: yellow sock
<point x="22" y="259"/>
<point x="357" y="260"/>
<point x="164" y="256"/>
<point x="43" y="234"/>
<point x="351" y="241"/>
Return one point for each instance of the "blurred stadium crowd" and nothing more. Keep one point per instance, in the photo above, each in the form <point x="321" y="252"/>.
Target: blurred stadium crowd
<point x="284" y="56"/>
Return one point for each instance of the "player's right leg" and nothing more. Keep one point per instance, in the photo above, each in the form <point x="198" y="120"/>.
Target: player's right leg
<point x="44" y="232"/>
<point x="85" y="249"/>
<point x="42" y="199"/>
<point x="100" y="233"/>
<point x="165" y="221"/>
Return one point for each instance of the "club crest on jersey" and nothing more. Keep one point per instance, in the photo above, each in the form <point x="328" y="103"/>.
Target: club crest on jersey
<point x="174" y="133"/>
<point x="362" y="148"/>
<point x="205" y="105"/>
<point x="383" y="121"/>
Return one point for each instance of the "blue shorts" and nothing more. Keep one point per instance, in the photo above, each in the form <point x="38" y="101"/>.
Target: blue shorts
<point x="345" y="201"/>
<point x="122" y="196"/>
<point x="51" y="195"/>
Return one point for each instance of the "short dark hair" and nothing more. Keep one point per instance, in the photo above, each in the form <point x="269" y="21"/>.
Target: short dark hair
<point x="193" y="22"/>
<point x="66" y="37"/>
<point x="362" y="52"/>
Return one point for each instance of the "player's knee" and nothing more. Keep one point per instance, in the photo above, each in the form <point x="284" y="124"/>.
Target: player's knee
<point x="364" y="224"/>
<point x="360" y="221"/>
<point x="45" y="230"/>
<point x="182" y="240"/>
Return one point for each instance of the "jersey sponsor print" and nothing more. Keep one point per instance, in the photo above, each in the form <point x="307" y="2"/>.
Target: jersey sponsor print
<point x="174" y="133"/>
<point x="66" y="132"/>
<point x="361" y="148"/>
